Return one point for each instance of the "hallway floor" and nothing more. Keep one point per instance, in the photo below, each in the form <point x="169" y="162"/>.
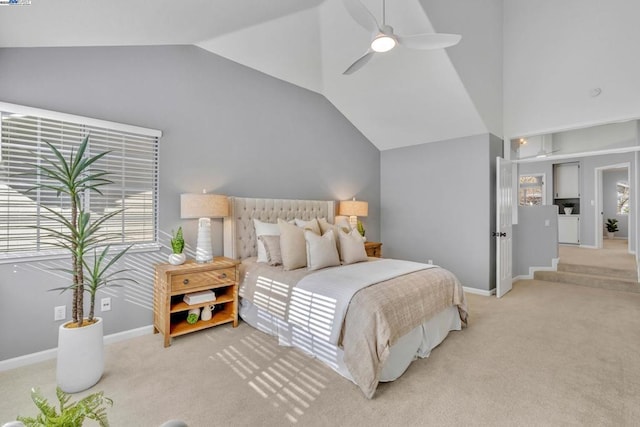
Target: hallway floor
<point x="611" y="267"/>
<point x="614" y="254"/>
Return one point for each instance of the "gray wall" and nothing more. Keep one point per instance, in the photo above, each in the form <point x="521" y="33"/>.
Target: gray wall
<point x="535" y="243"/>
<point x="587" y="189"/>
<point x="226" y="128"/>
<point x="610" y="179"/>
<point x="437" y="202"/>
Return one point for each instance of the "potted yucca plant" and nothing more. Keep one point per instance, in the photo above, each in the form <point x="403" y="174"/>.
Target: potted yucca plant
<point x="80" y="341"/>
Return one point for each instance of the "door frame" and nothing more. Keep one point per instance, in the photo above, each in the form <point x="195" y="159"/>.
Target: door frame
<point x="599" y="203"/>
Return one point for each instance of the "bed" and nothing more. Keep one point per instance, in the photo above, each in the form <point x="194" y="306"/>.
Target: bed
<point x="367" y="321"/>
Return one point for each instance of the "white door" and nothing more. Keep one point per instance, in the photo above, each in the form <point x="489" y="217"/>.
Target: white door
<point x="504" y="226"/>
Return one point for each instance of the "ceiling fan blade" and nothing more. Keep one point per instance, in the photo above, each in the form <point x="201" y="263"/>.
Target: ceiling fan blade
<point x="429" y="41"/>
<point x="361" y="15"/>
<point x="540" y="154"/>
<point x="360" y="62"/>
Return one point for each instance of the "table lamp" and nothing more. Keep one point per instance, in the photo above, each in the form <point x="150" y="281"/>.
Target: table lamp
<point x="353" y="209"/>
<point x="204" y="207"/>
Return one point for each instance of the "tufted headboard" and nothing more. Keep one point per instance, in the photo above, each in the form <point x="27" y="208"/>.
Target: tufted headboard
<point x="239" y="233"/>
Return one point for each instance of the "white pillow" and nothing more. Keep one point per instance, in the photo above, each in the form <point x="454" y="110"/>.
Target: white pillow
<point x="292" y="246"/>
<point x="309" y="225"/>
<point x="264" y="229"/>
<point x="321" y="250"/>
<point x="351" y="247"/>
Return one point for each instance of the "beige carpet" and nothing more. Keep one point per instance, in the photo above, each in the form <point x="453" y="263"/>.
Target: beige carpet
<point x="545" y="354"/>
<point x="614" y="254"/>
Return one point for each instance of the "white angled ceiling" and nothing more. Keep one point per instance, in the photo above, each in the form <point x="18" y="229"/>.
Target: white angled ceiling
<point x="404" y="97"/>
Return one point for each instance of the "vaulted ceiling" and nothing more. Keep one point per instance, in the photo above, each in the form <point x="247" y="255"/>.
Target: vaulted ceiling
<point x="401" y="98"/>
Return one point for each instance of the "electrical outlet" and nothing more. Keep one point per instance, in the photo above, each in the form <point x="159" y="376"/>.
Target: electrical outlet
<point x="105" y="304"/>
<point x="60" y="312"/>
<point x="430" y="261"/>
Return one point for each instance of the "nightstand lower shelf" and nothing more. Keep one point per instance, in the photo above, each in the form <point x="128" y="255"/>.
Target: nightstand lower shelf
<point x="182" y="327"/>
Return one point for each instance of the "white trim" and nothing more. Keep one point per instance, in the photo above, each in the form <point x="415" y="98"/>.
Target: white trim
<point x="62" y="253"/>
<point x="599" y="201"/>
<point x="479" y="291"/>
<point x="532" y="270"/>
<point x="589" y="246"/>
<point x="582" y="154"/>
<point x="576" y="126"/>
<point x="41" y="356"/>
<point x="54" y="115"/>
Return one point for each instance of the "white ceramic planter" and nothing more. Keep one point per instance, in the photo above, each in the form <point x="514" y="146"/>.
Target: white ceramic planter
<point x="567" y="211"/>
<point x="177" y="259"/>
<point x="80" y="357"/>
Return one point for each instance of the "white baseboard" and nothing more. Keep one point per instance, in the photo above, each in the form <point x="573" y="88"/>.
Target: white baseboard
<point x="41" y="356"/>
<point x="532" y="270"/>
<point x="479" y="291"/>
<point x="589" y="246"/>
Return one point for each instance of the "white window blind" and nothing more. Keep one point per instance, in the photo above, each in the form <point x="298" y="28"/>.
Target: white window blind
<point x="132" y="164"/>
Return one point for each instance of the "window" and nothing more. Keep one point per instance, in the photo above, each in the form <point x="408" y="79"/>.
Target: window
<point x="623" y="198"/>
<point x="132" y="164"/>
<point x="531" y="190"/>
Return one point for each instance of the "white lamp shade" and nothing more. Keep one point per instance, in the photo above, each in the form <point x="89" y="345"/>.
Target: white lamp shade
<point x="203" y="206"/>
<point x="353" y="208"/>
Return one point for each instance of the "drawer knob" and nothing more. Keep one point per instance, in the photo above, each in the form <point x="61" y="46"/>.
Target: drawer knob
<point x="222" y="276"/>
<point x="185" y="282"/>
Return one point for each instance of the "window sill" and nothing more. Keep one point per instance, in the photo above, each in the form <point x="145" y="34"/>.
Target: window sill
<point x="58" y="254"/>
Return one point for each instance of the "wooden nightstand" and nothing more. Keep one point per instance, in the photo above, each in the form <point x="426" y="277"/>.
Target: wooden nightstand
<point x="373" y="249"/>
<point x="172" y="282"/>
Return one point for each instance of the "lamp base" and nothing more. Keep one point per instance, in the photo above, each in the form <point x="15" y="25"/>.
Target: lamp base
<point x="353" y="222"/>
<point x="204" y="252"/>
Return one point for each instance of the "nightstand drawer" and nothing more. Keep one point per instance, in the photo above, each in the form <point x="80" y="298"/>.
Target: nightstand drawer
<point x="182" y="282"/>
<point x="373" y="249"/>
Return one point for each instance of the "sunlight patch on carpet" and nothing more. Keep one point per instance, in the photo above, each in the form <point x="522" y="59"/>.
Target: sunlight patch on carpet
<point x="283" y="377"/>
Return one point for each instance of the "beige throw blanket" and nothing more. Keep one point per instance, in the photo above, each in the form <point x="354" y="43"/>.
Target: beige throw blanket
<point x="387" y="311"/>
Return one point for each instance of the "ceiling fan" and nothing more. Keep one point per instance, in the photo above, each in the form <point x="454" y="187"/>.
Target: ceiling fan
<point x="384" y="39"/>
<point x="540" y="154"/>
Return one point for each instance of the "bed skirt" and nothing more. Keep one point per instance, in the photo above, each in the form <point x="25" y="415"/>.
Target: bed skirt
<point x="418" y="343"/>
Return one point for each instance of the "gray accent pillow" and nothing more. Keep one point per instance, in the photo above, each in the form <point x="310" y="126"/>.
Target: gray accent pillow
<point x="262" y="229"/>
<point x="292" y="246"/>
<point x="272" y="248"/>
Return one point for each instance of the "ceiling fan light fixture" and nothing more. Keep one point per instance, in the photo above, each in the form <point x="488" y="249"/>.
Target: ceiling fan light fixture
<point x="383" y="43"/>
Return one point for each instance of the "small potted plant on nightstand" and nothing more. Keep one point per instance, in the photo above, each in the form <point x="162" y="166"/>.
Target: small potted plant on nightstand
<point x="361" y="230"/>
<point x="177" y="244"/>
<point x="612" y="227"/>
